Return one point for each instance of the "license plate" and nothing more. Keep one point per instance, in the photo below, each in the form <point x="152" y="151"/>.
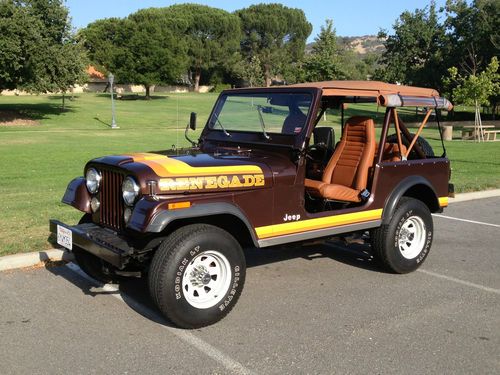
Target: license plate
<point x="64" y="237"/>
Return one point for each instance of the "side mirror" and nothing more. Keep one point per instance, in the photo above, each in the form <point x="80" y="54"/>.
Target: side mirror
<point x="192" y="121"/>
<point x="192" y="126"/>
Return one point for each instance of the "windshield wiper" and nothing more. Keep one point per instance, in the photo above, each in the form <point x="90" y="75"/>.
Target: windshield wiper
<point x="263" y="126"/>
<point x="222" y="127"/>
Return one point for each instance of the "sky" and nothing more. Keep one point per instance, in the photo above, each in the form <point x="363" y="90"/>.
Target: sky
<point x="350" y="18"/>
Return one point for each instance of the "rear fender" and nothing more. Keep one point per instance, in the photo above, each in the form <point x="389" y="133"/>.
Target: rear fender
<point x="413" y="186"/>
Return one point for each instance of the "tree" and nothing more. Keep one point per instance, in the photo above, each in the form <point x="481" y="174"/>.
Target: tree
<point x="361" y="67"/>
<point x="476" y="89"/>
<point x="104" y="40"/>
<point x="69" y="67"/>
<point x="414" y="53"/>
<point x="473" y="35"/>
<point x="325" y="61"/>
<point x="157" y="52"/>
<point x="252" y="72"/>
<point x="473" y="31"/>
<point x="145" y="48"/>
<point x="275" y="34"/>
<point x="37" y="50"/>
<point x="212" y="36"/>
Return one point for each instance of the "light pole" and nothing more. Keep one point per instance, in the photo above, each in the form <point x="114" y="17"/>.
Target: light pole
<point x="111" y="79"/>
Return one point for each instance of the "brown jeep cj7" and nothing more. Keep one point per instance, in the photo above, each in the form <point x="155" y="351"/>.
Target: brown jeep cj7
<point x="261" y="174"/>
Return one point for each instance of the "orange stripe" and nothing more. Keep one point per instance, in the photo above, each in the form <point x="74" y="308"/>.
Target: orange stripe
<point x="164" y="166"/>
<point x="318" y="223"/>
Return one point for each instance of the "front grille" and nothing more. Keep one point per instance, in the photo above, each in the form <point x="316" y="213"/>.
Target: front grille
<point x="112" y="206"/>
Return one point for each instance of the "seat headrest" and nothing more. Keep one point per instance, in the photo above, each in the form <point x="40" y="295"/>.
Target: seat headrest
<point x="360" y="120"/>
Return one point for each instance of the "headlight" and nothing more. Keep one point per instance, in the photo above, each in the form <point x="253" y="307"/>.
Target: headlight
<point x="130" y="190"/>
<point x="93" y="179"/>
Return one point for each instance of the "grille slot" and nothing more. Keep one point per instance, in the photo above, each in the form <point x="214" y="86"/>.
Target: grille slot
<point x="112" y="205"/>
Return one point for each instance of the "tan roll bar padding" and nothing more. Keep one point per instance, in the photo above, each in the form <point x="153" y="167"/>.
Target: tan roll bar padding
<point x="421" y="127"/>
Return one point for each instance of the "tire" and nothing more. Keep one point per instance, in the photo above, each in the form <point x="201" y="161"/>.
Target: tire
<point x="412" y="221"/>
<point x="197" y="275"/>
<point x="90" y="264"/>
<point x="422" y="142"/>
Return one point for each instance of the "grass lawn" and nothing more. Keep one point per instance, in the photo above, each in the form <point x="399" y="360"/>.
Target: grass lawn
<point x="37" y="162"/>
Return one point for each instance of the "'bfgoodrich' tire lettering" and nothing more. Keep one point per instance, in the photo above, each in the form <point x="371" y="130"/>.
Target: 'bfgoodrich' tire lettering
<point x="169" y="267"/>
<point x="385" y="239"/>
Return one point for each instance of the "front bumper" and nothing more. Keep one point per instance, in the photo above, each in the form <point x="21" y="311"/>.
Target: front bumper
<point x="103" y="243"/>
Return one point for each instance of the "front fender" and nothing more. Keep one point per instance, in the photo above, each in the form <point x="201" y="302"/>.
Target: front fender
<point x="77" y="195"/>
<point x="150" y="218"/>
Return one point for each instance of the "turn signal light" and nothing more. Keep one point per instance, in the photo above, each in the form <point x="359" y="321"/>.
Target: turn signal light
<point x="177" y="205"/>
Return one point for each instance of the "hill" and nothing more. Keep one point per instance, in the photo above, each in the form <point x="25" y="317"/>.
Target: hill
<point x="359" y="44"/>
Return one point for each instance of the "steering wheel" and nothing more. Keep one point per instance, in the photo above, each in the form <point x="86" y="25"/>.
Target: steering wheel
<point x="316" y="148"/>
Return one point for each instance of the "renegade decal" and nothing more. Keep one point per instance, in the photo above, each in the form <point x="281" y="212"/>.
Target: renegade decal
<point x="211" y="182"/>
<point x="318" y="223"/>
<point x="164" y="166"/>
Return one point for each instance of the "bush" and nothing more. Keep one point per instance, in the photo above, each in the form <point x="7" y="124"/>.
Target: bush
<point x="219" y="87"/>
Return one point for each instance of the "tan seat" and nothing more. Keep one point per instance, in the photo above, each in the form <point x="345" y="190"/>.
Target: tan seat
<point x="346" y="174"/>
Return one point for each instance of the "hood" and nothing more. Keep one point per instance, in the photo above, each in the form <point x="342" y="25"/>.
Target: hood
<point x="194" y="172"/>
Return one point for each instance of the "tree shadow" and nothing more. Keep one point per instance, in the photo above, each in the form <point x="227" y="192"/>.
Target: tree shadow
<point x="36" y="111"/>
<point x="68" y="97"/>
<point x="132" y="97"/>
<point x="104" y="95"/>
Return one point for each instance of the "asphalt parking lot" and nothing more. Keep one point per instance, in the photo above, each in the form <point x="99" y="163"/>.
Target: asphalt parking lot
<point x="318" y="309"/>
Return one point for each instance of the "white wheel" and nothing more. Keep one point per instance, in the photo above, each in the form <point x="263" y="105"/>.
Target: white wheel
<point x="206" y="280"/>
<point x="403" y="244"/>
<point x="197" y="275"/>
<point x="411" y="237"/>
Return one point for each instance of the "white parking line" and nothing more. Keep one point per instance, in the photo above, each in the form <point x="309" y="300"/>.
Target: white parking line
<point x="232" y="365"/>
<point x="459" y="281"/>
<point x="466" y="220"/>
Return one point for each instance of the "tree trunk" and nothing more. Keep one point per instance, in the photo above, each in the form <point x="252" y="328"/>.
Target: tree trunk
<point x="478" y="124"/>
<point x="63" y="102"/>
<point x="197" y="76"/>
<point x="148" y="89"/>
<point x="267" y="75"/>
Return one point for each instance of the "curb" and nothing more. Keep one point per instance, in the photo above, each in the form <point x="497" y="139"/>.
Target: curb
<point x="24" y="260"/>
<point x="464" y="197"/>
<point x="11" y="262"/>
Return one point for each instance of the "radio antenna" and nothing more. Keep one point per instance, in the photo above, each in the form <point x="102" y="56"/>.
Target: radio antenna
<point x="177" y="124"/>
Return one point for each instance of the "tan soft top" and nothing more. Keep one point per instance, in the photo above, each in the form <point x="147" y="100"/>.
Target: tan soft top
<point x="386" y="94"/>
<point x="368" y="88"/>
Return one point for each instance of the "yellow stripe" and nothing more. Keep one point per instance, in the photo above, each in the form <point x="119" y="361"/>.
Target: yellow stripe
<point x="164" y="166"/>
<point x="319" y="223"/>
<point x="443" y="201"/>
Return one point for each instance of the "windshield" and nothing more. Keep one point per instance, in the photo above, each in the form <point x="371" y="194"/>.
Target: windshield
<point x="262" y="112"/>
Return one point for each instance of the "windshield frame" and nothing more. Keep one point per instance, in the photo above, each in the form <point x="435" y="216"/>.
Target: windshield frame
<point x="257" y="137"/>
